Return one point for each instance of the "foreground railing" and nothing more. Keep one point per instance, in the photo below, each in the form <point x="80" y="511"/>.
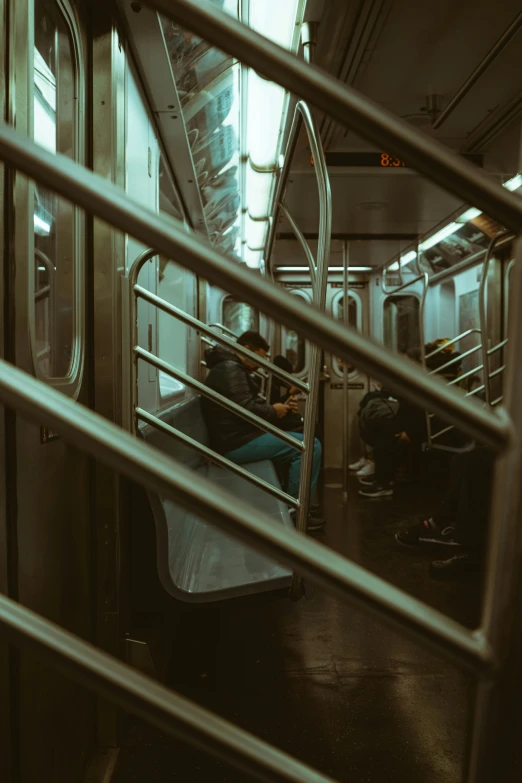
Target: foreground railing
<point x="501" y="627"/>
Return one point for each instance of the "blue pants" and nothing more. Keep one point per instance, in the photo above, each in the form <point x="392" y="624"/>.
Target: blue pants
<point x="269" y="446"/>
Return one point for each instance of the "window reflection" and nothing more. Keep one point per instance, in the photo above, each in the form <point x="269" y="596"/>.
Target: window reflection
<point x="401" y="323"/>
<point x="55" y="127"/>
<point x="239" y="316"/>
<point x="353" y="320"/>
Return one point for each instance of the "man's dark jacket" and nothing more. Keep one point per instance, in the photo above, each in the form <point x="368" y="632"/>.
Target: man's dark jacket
<point x="229" y="376"/>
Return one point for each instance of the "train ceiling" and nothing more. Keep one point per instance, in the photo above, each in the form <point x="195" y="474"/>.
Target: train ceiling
<point x="411" y="58"/>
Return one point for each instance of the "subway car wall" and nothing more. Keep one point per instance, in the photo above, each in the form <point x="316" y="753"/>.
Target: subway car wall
<point x="185" y="130"/>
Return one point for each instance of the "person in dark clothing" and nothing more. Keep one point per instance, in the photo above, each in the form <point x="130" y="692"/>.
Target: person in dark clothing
<point x="386" y="423"/>
<point x="282" y="392"/>
<point x="460" y="522"/>
<point x="236" y="438"/>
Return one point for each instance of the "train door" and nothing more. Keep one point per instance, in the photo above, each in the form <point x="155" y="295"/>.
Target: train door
<point x="358" y="382"/>
<point x="50" y="544"/>
<point x="141" y="182"/>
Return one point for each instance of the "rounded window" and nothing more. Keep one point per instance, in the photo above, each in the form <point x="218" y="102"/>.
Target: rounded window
<point x="293" y="346"/>
<point x="354" y="319"/>
<point x="239" y="317"/>
<point x="57" y="223"/>
<point x="401" y="323"/>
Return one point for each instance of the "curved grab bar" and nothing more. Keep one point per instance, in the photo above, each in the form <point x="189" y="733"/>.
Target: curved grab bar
<point x="302" y="241"/>
<point x="483" y="310"/>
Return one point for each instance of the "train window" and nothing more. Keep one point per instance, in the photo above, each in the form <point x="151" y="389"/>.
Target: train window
<point x="354" y="319"/>
<point x="56" y="326"/>
<point x="295" y="347"/>
<point x="401" y="323"/>
<point x="239" y="316"/>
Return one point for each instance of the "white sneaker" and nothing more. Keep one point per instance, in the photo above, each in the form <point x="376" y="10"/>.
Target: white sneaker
<point x="359" y="464"/>
<point x="367" y="470"/>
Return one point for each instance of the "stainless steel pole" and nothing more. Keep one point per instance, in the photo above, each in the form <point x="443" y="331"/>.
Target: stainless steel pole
<point x="319" y="300"/>
<point x="496" y="724"/>
<point x="345" y="411"/>
<point x="108" y="202"/>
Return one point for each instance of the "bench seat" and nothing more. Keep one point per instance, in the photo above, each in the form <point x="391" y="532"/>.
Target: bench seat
<point x="197" y="562"/>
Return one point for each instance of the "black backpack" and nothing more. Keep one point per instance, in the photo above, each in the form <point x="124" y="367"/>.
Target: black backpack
<point x="374" y="413"/>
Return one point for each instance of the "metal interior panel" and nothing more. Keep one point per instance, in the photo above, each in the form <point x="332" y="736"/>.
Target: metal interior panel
<point x="358" y="382"/>
<point x="108" y="128"/>
<point x="53" y="514"/>
<point x="7" y="681"/>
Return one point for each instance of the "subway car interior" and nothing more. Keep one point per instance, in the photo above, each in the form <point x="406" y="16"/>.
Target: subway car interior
<point x="260" y="391"/>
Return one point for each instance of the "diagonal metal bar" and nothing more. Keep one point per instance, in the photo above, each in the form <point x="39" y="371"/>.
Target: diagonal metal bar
<point x="96" y="195"/>
<point x="189" y="320"/>
<point x="156" y="471"/>
<point x="145" y="697"/>
<point x="349" y="107"/>
<point x="159" y="424"/>
<point x="206" y="391"/>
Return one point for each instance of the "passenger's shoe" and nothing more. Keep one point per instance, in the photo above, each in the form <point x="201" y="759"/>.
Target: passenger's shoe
<point x="425" y="533"/>
<point x="369" y="482"/>
<point x="314" y="522"/>
<point x="366" y="471"/>
<point x="458" y="565"/>
<point x="376" y="490"/>
<point x="359" y="464"/>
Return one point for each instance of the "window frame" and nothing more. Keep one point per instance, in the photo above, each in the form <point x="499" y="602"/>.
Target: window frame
<point x="307" y="297"/>
<point x="239" y="301"/>
<point x="334" y="312"/>
<point x="413" y="295"/>
<point x="69" y="384"/>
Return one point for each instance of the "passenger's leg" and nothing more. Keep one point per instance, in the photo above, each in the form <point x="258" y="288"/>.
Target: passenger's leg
<point x="472" y="516"/>
<point x="295" y="470"/>
<point x="271" y="447"/>
<point x="440" y="528"/>
<point x="385" y="452"/>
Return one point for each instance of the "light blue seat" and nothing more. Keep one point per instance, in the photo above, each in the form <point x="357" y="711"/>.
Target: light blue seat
<point x="196" y="561"/>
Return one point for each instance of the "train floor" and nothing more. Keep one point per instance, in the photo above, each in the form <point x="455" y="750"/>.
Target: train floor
<point x="319" y="679"/>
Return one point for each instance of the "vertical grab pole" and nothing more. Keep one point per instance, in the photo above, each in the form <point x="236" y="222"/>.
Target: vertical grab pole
<point x="345" y="417"/>
<point x="495" y="720"/>
<point x="319" y="300"/>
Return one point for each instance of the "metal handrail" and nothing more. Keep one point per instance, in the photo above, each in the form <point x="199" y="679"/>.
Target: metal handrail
<point x="452" y="342"/>
<point x="98" y="196"/>
<point x="219" y="399"/>
<point x="348" y="107"/>
<point x="156" y="471"/>
<point x="318" y="302"/>
<point x="302" y="241"/>
<point x="136" y="693"/>
<point x="390" y="291"/>
<point x="195" y="323"/>
<point x="224" y="329"/>
<point x="154" y="421"/>
<point x="159" y="473"/>
<point x="444" y="168"/>
<point x="483" y="310"/>
<point x="455" y="359"/>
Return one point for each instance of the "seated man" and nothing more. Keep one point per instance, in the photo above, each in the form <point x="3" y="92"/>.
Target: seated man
<point x="282" y="392"/>
<point x="460" y="523"/>
<point x="386" y="422"/>
<point x="239" y="440"/>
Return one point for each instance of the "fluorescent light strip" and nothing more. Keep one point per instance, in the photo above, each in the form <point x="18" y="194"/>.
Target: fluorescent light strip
<point x="330" y="269"/>
<point x="512" y="184"/>
<point x="41" y="227"/>
<point x="411" y="256"/>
